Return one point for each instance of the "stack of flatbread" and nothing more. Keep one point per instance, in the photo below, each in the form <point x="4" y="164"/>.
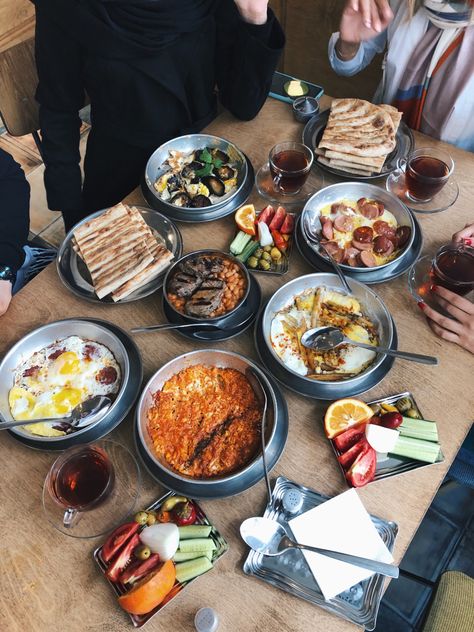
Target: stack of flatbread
<point x="358" y="136"/>
<point x="120" y="251"/>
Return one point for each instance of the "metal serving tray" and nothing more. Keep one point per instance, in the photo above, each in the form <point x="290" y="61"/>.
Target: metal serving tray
<point x="222" y="546"/>
<point x="291" y="573"/>
<point x="392" y="464"/>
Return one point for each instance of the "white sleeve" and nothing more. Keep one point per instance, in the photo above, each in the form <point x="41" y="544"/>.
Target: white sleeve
<point x="363" y="57"/>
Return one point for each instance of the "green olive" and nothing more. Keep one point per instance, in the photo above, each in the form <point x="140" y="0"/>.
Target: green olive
<point x="275" y="254"/>
<point x="263" y="264"/>
<point x="413" y="414"/>
<point x="376" y="408"/>
<point x="141" y="517"/>
<point x="404" y="404"/>
<point x="266" y="256"/>
<point x="142" y="552"/>
<point x="258" y="253"/>
<point x="267" y="248"/>
<point x="252" y="262"/>
<point x="151" y="518"/>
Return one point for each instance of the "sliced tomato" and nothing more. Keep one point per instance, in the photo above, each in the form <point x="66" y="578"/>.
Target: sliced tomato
<point x="266" y="215"/>
<point x="349" y="437"/>
<point x="117" y="539"/>
<point x="347" y="458"/>
<point x="123" y="557"/>
<point x="278" y="219"/>
<point x="362" y="471"/>
<point x="288" y="225"/>
<point x="138" y="569"/>
<point x="278" y="240"/>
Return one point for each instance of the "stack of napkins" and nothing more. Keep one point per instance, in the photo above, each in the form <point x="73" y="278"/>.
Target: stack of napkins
<point x="340" y="524"/>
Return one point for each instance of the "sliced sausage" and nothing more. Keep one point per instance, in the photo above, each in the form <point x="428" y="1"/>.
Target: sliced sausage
<point x="333" y="250"/>
<point x="361" y="201"/>
<point x="344" y="223"/>
<point x="339" y="207"/>
<point x="339" y="255"/>
<point x="326" y="226"/>
<point x="381" y="227"/>
<point x="383" y="245"/>
<point x="364" y="234"/>
<point x="370" y="210"/>
<point x="361" y="245"/>
<point x="107" y="375"/>
<point x="351" y="255"/>
<point x="381" y="207"/>
<point x="403" y="234"/>
<point x="368" y="259"/>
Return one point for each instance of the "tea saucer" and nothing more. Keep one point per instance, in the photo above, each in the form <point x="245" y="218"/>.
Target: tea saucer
<point x="266" y="188"/>
<point x="440" y="202"/>
<point x="117" y="506"/>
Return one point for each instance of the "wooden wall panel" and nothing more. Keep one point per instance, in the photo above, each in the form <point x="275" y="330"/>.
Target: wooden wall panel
<point x="17" y="22"/>
<point x="308" y="25"/>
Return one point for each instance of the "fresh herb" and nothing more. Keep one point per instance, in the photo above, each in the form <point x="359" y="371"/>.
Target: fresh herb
<point x="205" y="171"/>
<point x="205" y="156"/>
<point x="217" y="162"/>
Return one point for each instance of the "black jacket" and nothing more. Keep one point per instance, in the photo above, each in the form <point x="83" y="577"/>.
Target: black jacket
<point x="141" y="99"/>
<point x="14" y="212"/>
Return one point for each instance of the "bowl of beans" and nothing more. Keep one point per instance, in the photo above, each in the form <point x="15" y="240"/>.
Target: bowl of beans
<point x="206" y="285"/>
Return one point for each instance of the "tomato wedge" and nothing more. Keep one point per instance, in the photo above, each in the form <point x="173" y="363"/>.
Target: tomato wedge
<point x="122" y="558"/>
<point x="288" y="225"/>
<point x="117" y="539"/>
<point x="137" y="570"/>
<point x="349" y="437"/>
<point x="278" y="219"/>
<point x="347" y="458"/>
<point x="278" y="240"/>
<point x="267" y="214"/>
<point x="362" y="471"/>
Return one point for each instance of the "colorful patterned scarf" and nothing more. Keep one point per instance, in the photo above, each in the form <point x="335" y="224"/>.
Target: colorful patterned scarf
<point x="439" y="67"/>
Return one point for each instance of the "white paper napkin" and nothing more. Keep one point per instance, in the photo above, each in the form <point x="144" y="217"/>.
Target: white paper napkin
<point x="341" y="524"/>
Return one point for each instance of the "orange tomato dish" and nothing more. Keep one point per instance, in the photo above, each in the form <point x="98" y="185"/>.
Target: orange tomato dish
<point x="205" y="421"/>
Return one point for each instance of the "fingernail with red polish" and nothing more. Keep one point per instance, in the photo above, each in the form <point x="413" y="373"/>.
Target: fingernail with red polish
<point x="434" y="288"/>
<point x="467" y="241"/>
<point x="421" y="305"/>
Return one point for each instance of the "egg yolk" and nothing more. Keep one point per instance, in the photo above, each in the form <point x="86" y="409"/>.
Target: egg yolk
<point x="21" y="403"/>
<point x="66" y="399"/>
<point x="67" y="363"/>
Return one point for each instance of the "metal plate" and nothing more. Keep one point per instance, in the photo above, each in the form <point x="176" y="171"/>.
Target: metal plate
<point x="216" y="212"/>
<point x="223" y="489"/>
<point x="320" y="390"/>
<point x="75" y="276"/>
<point x="291" y="573"/>
<point x="247" y="312"/>
<point x="392" y="464"/>
<point x="113" y="418"/>
<point x="221" y="547"/>
<point x="392" y="271"/>
<point x="315" y="127"/>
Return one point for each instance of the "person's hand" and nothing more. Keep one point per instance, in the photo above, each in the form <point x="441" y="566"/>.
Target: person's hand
<point x="466" y="235"/>
<point x="5" y="296"/>
<point x="458" y="327"/>
<point x="253" y="11"/>
<point x="361" y="20"/>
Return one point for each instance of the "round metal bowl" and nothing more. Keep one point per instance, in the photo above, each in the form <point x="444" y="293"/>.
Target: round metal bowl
<point x="354" y="191"/>
<point x="211" y="358"/>
<point x="44" y="336"/>
<point x="186" y="144"/>
<point x="371" y="304"/>
<point x="223" y="318"/>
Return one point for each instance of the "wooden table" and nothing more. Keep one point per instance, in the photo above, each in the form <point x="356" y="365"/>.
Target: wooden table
<point x="50" y="582"/>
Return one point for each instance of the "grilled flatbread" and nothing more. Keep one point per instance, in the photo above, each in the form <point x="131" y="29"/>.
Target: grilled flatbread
<point x="351" y="169"/>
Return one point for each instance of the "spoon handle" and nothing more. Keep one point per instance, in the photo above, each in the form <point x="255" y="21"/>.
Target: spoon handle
<point x="390" y="570"/>
<point x="413" y="357"/>
<point x="332" y="262"/>
<point x="164" y="326"/>
<point x="5" y="425"/>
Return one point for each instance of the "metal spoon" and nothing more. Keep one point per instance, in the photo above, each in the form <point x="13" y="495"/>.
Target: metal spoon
<point x="259" y="391"/>
<point x="315" y="240"/>
<point x="269" y="537"/>
<point x="88" y="411"/>
<point x="325" y="338"/>
<point x="207" y="326"/>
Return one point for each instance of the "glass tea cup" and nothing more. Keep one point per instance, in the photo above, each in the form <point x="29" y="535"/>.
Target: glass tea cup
<point x="453" y="268"/>
<point x="427" y="170"/>
<point x="81" y="479"/>
<point x="290" y="164"/>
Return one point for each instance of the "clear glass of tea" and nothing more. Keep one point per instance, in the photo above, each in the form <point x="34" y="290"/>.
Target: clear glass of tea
<point x="290" y="164"/>
<point x="427" y="171"/>
<point x="80" y="480"/>
<point x="453" y="268"/>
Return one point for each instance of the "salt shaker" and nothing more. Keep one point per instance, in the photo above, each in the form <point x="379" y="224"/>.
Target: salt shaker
<point x="304" y="108"/>
<point x="206" y="620"/>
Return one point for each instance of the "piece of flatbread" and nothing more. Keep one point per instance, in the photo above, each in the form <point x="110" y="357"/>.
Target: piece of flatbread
<point x="344" y="164"/>
<point x="162" y="259"/>
<point x="359" y="160"/>
<point x="361" y="172"/>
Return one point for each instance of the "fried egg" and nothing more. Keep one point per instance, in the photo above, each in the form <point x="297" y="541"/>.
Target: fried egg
<point x="57" y="378"/>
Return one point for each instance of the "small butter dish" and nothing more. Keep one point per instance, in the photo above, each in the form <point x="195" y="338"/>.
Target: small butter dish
<point x="304" y="108"/>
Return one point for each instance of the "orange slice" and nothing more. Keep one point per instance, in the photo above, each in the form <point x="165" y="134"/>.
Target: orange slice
<point x="245" y="219"/>
<point x="150" y="591"/>
<point x="343" y="414"/>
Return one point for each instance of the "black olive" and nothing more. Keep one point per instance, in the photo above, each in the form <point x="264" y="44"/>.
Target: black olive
<point x="173" y="184"/>
<point x="218" y="154"/>
<point x="214" y="185"/>
<point x="199" y="201"/>
<point x="181" y="199"/>
<point x="189" y="171"/>
<point x="225" y="172"/>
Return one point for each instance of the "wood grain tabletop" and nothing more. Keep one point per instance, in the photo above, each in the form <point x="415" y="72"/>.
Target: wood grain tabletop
<point x="50" y="582"/>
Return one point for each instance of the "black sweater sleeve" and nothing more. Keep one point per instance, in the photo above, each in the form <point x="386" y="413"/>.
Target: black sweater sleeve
<point x="61" y="95"/>
<point x="14" y="212"/>
<point x="247" y="57"/>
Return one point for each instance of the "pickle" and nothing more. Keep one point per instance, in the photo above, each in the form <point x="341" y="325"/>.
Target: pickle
<point x="404" y="404"/>
<point x="413" y="414"/>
